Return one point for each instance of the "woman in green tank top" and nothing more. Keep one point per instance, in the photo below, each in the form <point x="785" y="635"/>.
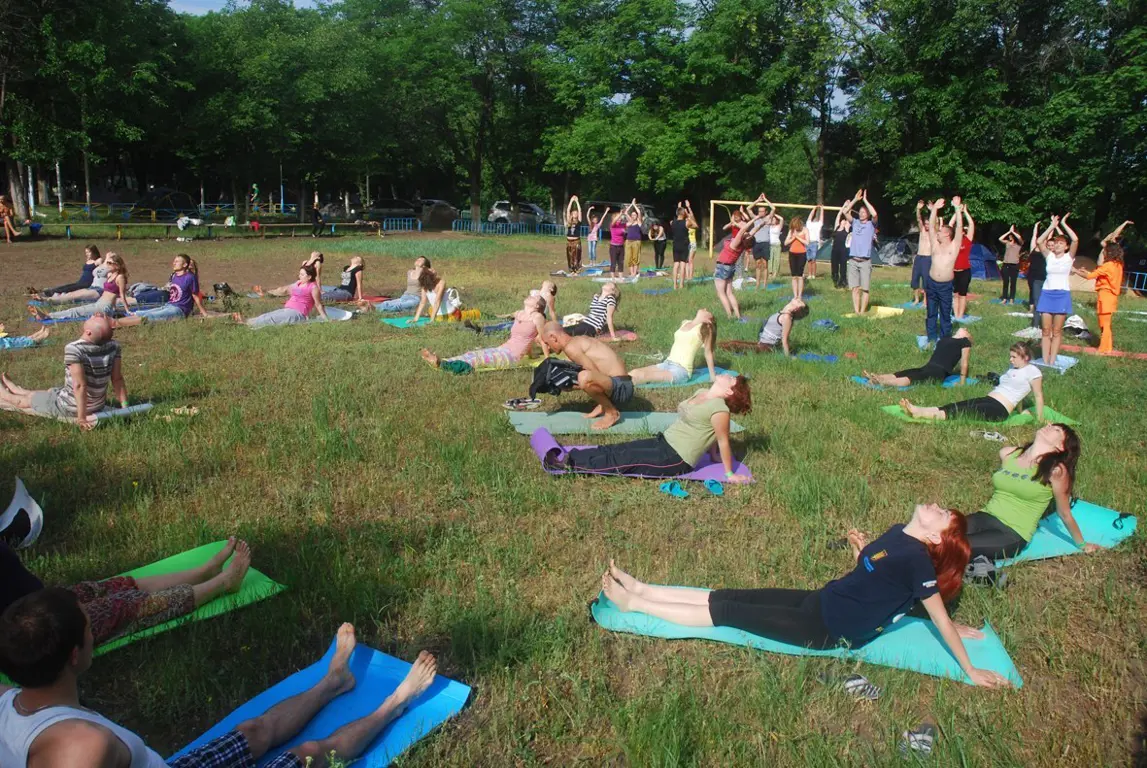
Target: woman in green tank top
<point x="1028" y="481"/>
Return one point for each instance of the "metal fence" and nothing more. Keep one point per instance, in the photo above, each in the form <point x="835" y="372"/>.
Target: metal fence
<point x="491" y="228"/>
<point x="401" y="225"/>
<point x="1135" y="281"/>
<point x="116" y="212"/>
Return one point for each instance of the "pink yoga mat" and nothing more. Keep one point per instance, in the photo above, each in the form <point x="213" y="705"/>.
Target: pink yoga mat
<point x="544" y="444"/>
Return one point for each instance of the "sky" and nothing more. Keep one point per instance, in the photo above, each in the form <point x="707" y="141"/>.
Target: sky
<point x="203" y="6"/>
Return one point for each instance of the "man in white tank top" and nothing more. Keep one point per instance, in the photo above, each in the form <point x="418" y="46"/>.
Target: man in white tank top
<point x="46" y="645"/>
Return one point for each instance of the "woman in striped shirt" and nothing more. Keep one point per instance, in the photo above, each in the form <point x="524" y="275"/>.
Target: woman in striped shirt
<point x="601" y="309"/>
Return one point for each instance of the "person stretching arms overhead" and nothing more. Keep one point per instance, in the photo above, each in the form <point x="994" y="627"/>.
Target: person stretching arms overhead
<point x="938" y="287"/>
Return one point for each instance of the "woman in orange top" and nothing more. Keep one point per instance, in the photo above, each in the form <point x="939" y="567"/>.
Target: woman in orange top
<point x="1108" y="277"/>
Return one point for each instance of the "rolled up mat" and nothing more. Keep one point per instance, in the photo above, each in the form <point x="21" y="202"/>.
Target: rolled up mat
<point x="912" y="644"/>
<point x="404" y="322"/>
<point x="1099" y="525"/>
<point x="1017" y="419"/>
<point x="700" y="376"/>
<point x="256" y="586"/>
<point x="1062" y="364"/>
<point x="376" y="676"/>
<point x="543" y="443"/>
<point x="97" y="417"/>
<point x="877" y="313"/>
<point x="575" y="423"/>
<point x="951" y="381"/>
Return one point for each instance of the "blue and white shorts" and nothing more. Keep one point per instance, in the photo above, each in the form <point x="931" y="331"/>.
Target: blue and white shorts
<point x="679" y="372"/>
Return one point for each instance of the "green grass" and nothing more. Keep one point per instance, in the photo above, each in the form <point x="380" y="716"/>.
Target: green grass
<point x="398" y="497"/>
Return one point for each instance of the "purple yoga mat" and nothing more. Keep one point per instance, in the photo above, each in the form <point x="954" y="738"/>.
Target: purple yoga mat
<point x="544" y="443"/>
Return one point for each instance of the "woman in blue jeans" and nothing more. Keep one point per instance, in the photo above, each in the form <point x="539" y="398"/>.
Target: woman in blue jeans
<point x="413" y="293"/>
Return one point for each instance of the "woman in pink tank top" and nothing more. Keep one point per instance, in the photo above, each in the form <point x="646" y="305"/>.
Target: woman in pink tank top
<point x="526" y="330"/>
<point x="303" y="296"/>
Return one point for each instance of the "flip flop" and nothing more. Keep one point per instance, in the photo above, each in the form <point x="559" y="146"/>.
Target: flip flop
<point x="856" y="686"/>
<point x="714" y="487"/>
<point x="994" y="436"/>
<point x="920" y="739"/>
<point x="838" y="544"/>
<point x="521" y="404"/>
<point x="673" y="488"/>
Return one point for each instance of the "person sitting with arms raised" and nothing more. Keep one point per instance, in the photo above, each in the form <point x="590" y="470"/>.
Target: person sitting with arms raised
<point x="182" y="297"/>
<point x="777" y="329"/>
<point x="1015" y="385"/>
<point x="46" y="646"/>
<point x="702" y="427"/>
<point x="305" y="296"/>
<point x="950" y="352"/>
<point x="113" y="292"/>
<point x="603" y="376"/>
<point x="922" y="561"/>
<point x="350" y="283"/>
<point x="91" y="363"/>
<point x="71" y="291"/>
<point x="315" y="260"/>
<point x="696" y="335"/>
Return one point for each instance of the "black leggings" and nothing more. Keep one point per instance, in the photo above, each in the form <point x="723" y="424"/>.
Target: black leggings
<point x="652" y="456"/>
<point x="982" y="408"/>
<point x="992" y="538"/>
<point x="66" y="288"/>
<point x="927" y="372"/>
<point x="659" y="253"/>
<point x="616" y="258"/>
<point x="839" y="265"/>
<point x="787" y="615"/>
<point x="1010" y="274"/>
<point x="582" y="329"/>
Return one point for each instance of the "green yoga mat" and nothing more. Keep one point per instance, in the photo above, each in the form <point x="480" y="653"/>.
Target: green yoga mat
<point x="1017" y="419"/>
<point x="912" y="644"/>
<point x="256" y="586"/>
<point x="575" y="423"/>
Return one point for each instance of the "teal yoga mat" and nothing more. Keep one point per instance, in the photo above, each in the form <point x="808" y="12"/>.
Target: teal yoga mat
<point x="700" y="376"/>
<point x="404" y="322"/>
<point x="376" y="676"/>
<point x="1017" y="419"/>
<point x="1099" y="525"/>
<point x="575" y="423"/>
<point x="912" y="644"/>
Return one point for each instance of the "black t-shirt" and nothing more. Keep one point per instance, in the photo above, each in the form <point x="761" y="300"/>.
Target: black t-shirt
<point x="1037" y="266"/>
<point x="891" y="574"/>
<point x="350" y="278"/>
<point x="947" y="354"/>
<point x="679" y="229"/>
<point x="15" y="580"/>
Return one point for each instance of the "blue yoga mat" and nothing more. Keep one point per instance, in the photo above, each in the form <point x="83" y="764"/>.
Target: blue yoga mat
<point x="1099" y="525"/>
<point x="404" y="322"/>
<point x="951" y="381"/>
<point x="910" y="305"/>
<point x="912" y="644"/>
<point x="966" y="319"/>
<point x="657" y="291"/>
<point x="813" y="357"/>
<point x="700" y="376"/>
<point x="1062" y="364"/>
<point x="376" y="676"/>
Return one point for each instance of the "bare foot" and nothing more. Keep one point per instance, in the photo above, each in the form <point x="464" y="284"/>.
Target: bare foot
<point x="594" y="413"/>
<point x="235" y="571"/>
<point x="908" y="408"/>
<point x="237" y="317"/>
<point x="417" y="680"/>
<point x="7" y="383"/>
<point x="257" y="290"/>
<point x="617" y="594"/>
<point x="339" y="671"/>
<point x="868" y="376"/>
<point x="36" y="312"/>
<point x="624" y="579"/>
<point x="608" y="420"/>
<point x="430" y="358"/>
<point x="214" y="566"/>
<point x="41" y="334"/>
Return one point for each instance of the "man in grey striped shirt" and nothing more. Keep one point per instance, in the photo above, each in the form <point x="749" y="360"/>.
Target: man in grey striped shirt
<point x="91" y="364"/>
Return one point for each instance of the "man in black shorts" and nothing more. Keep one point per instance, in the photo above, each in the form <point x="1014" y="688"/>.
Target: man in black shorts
<point x="603" y="376"/>
<point x="950" y="351"/>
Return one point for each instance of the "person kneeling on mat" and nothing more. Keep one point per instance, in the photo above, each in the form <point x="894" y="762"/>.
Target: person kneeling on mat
<point x="950" y="351"/>
<point x="776" y="330"/>
<point x="696" y="335"/>
<point x="1015" y="385"/>
<point x="46" y="646"/>
<point x="91" y="363"/>
<point x="603" y="376"/>
<point x="123" y="605"/>
<point x="921" y="561"/>
<point x="702" y="426"/>
<point x="1030" y="483"/>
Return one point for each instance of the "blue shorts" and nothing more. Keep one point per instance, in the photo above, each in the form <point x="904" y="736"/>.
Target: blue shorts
<point x="724" y="271"/>
<point x="679" y="372"/>
<point x="813" y="249"/>
<point x="1054" y="302"/>
<point x="920" y="267"/>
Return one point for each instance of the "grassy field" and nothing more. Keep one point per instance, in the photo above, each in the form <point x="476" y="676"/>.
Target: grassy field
<point x="397" y="497"/>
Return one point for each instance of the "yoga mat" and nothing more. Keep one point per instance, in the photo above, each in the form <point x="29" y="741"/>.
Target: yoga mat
<point x="966" y="319"/>
<point x="825" y="324"/>
<point x="543" y="443"/>
<point x="951" y="381"/>
<point x="657" y="291"/>
<point x="1020" y="314"/>
<point x="371" y="299"/>
<point x="404" y="322"/>
<point x="813" y="357"/>
<point x="909" y="305"/>
<point x="98" y="416"/>
<point x="1017" y="419"/>
<point x="525" y="362"/>
<point x="1062" y="363"/>
<point x="376" y="676"/>
<point x="1099" y="525"/>
<point x="912" y="644"/>
<point x="700" y="376"/>
<point x="334" y="314"/>
<point x="1113" y="353"/>
<point x="878" y="313"/>
<point x="617" y="280"/>
<point x="256" y="586"/>
<point x="575" y="423"/>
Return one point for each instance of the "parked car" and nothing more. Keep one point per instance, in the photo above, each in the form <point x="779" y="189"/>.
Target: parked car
<point x="528" y="213"/>
<point x="437" y="214"/>
<point x="614" y="206"/>
<point x="390" y="208"/>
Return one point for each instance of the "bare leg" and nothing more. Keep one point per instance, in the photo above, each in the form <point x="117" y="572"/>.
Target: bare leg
<point x="762" y="272"/>
<point x="856" y="301"/>
<point x="282" y="721"/>
<point x="348" y="742"/>
<point x="1045" y="339"/>
<point x="431" y="359"/>
<point x="887" y="379"/>
<point x="1056" y="336"/>
<point x="228" y="580"/>
<point x="720" y="284"/>
<point x="864" y="296"/>
<point x="689" y="595"/>
<point x="650" y="373"/>
<point x="41" y="334"/>
<point x="599" y="387"/>
<point x="689" y="268"/>
<point x="921" y="412"/>
<point x="205" y="572"/>
<point x="732" y="296"/>
<point x="23" y="402"/>
<point x="688" y="614"/>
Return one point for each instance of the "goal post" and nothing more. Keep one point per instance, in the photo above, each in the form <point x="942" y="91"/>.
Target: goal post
<point x="713" y="212"/>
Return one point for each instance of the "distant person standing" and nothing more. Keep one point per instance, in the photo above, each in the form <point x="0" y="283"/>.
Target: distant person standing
<point x="840" y="232"/>
<point x="679" y="229"/>
<point x="1010" y="269"/>
<point x="573" y="236"/>
<point x="922" y="264"/>
<point x="658" y="238"/>
<point x="860" y="252"/>
<point x="814" y="225"/>
<point x="962" y="277"/>
<point x="316" y="220"/>
<point x="1036" y="275"/>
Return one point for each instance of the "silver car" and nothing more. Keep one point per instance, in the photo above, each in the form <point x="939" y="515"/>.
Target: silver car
<point x="528" y="213"/>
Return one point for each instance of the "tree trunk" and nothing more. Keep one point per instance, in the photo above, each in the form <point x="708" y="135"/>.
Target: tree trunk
<point x="43" y="198"/>
<point x="14" y="190"/>
<point x="303" y="207"/>
<point x="235" y="199"/>
<point x="87" y="182"/>
<point x="476" y="189"/>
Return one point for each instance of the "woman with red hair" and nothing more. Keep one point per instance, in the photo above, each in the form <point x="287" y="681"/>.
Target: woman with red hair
<point x="921" y="561"/>
<point x="702" y="426"/>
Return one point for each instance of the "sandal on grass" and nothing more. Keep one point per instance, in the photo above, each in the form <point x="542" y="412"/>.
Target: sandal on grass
<point x="674" y="489"/>
<point x="521" y="404"/>
<point x="920" y="739"/>
<point x="856" y="686"/>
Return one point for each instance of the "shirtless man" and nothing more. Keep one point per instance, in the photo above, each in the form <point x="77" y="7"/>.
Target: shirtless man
<point x="603" y="376"/>
<point x="938" y="286"/>
<point x="923" y="261"/>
